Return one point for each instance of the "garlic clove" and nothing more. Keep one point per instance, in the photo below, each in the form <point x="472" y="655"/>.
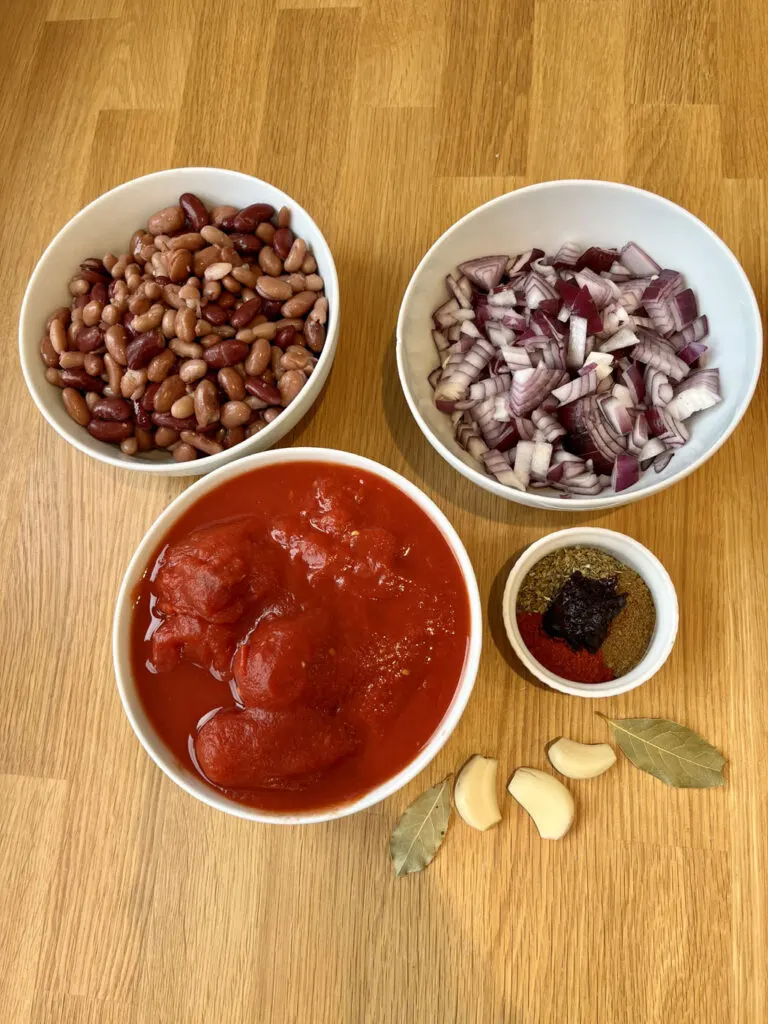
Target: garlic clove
<point x="475" y="793"/>
<point x="581" y="760"/>
<point x="546" y="800"/>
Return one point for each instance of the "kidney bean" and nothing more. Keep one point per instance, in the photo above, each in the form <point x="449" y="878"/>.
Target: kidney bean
<point x="261" y="389"/>
<point x="244" y="314"/>
<point x="185" y="325"/>
<point x="75" y="405"/>
<point x="231" y="256"/>
<point x="284" y="337"/>
<point x="283" y="217"/>
<point x="78" y="378"/>
<point x="225" y="353"/>
<point x="114" y="374"/>
<point x="93" y="364"/>
<point x="265" y="232"/>
<point x="295" y="257"/>
<point x="178" y="263"/>
<point x="165" y="437"/>
<point x="254" y="428"/>
<point x="231" y="285"/>
<point x="109" y="430"/>
<point x="109" y="261"/>
<point x="230" y="381"/>
<point x="118" y="271"/>
<point x="99" y="293"/>
<point x="63" y="313"/>
<point x="203" y="328"/>
<point x="79" y="304"/>
<point x="216" y="271"/>
<point x="165" y="419"/>
<point x="297" y="282"/>
<point x="247" y="218"/>
<point x="183" y="407"/>
<point x="129" y="446"/>
<point x="299" y="305"/>
<point x="165" y="221"/>
<point x="227" y="301"/>
<point x="141" y="414"/>
<point x="144" y="439"/>
<point x="271" y="308"/>
<point x="144" y="348"/>
<point x="53" y="376"/>
<point x="214" y="237"/>
<point x="235" y="414"/>
<point x="115" y="341"/>
<point x="48" y="352"/>
<point x="275" y="366"/>
<point x="258" y="358"/>
<point x="245" y="276"/>
<point x="160" y="366"/>
<point x="319" y="311"/>
<point x="314" y="283"/>
<point x="147" y="400"/>
<point x="271" y="414"/>
<point x="112" y="409"/>
<point x="134" y="384"/>
<point x="270" y="262"/>
<point x="245" y="244"/>
<point x="206" y="403"/>
<point x="193" y="369"/>
<point x="79" y="286"/>
<point x="192" y="354"/>
<point x="92" y="313"/>
<point x="203" y="444"/>
<point x="290" y="384"/>
<point x="110" y="315"/>
<point x="171" y="296"/>
<point x="57" y="334"/>
<point x="184" y="452"/>
<point x="296" y="357"/>
<point x="274" y="289"/>
<point x="245" y="334"/>
<point x="168" y="392"/>
<point x="138" y="304"/>
<point x="221" y="214"/>
<point x="118" y="295"/>
<point x="232" y="437"/>
<point x="309" y="266"/>
<point x="282" y="242"/>
<point x="194" y="210"/>
<point x="91" y="398"/>
<point x="149" y="320"/>
<point x="314" y="333"/>
<point x="215" y="314"/>
<point x="193" y="241"/>
<point x="255" y="404"/>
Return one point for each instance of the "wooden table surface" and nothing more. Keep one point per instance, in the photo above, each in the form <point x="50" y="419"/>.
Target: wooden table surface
<point x="123" y="900"/>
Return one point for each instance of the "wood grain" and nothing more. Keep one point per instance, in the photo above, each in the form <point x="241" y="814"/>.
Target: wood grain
<point x="123" y="901"/>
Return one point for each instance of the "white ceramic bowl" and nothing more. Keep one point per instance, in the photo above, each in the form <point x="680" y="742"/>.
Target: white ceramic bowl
<point x="134" y="709"/>
<point x="631" y="553"/>
<point x="106" y="225"/>
<point x="594" y="213"/>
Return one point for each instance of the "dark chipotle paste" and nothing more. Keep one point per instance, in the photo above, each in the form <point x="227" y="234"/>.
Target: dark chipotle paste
<point x="299" y="635"/>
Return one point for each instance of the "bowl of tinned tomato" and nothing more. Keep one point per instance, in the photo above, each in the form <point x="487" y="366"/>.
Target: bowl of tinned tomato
<point x="297" y="635"/>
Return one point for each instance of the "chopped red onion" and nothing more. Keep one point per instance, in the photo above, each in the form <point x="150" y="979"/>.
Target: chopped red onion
<point x="626" y="472"/>
<point x="485" y="272"/>
<point x="533" y="399"/>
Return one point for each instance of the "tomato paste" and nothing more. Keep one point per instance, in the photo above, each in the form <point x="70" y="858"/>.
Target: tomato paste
<point x="299" y="634"/>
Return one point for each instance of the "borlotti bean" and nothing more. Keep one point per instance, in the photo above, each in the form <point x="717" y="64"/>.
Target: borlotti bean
<point x="195" y="338"/>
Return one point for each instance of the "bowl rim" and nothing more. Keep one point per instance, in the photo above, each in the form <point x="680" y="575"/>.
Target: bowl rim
<point x="589" y="535"/>
<point x="608" y="500"/>
<point x="271" y="433"/>
<point x="156" y="747"/>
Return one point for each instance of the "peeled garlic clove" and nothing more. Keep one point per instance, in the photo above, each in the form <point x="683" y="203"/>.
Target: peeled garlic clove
<point x="475" y="793"/>
<point x="547" y="801"/>
<point x="581" y="760"/>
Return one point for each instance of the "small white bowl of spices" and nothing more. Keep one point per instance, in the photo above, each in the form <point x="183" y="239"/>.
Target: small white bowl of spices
<point x="590" y="612"/>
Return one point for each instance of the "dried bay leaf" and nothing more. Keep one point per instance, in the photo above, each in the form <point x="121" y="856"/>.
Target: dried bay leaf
<point x="671" y="752"/>
<point x="420" y="831"/>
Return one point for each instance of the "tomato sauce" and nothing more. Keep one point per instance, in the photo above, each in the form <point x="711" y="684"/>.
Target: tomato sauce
<point x="299" y="635"/>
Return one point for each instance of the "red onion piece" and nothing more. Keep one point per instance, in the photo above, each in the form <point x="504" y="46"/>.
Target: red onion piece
<point x="597" y="259"/>
<point x="692" y="332"/>
<point x="626" y="472"/>
<point x="638" y="261"/>
<point x="700" y="391"/>
<point x="690" y="353"/>
<point x="484" y="272"/>
<point x="576" y="388"/>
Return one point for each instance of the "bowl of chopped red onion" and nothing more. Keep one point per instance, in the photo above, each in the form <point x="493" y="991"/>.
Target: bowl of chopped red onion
<point x="578" y="345"/>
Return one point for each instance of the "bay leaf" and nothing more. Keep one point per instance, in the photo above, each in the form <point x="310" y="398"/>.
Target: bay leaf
<point x="420" y="831"/>
<point x="673" y="753"/>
